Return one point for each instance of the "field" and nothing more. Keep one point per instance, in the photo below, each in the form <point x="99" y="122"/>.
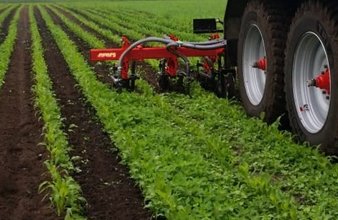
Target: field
<point x="73" y="147"/>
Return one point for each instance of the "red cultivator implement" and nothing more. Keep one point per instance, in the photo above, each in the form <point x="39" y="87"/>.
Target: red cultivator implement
<point x="277" y="63"/>
<point x="211" y="70"/>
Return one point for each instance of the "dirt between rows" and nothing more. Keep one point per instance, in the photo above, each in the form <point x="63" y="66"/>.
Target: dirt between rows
<point x="21" y="159"/>
<point x="106" y="185"/>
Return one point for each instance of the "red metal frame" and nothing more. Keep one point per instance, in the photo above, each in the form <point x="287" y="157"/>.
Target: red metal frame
<point x="141" y="53"/>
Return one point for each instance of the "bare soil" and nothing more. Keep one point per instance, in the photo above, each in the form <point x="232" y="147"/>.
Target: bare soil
<point x="21" y="159"/>
<point x="106" y="185"/>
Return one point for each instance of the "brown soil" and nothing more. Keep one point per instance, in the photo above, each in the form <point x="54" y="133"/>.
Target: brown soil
<point x="106" y="185"/>
<point x="21" y="159"/>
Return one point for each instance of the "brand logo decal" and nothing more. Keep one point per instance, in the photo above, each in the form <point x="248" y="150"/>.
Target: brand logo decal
<point x="107" y="55"/>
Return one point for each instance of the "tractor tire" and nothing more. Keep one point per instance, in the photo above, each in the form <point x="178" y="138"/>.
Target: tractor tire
<point x="311" y="45"/>
<point x="263" y="33"/>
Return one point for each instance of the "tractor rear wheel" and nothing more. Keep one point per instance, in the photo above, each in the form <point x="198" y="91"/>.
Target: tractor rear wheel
<point x="310" y="55"/>
<point x="261" y="48"/>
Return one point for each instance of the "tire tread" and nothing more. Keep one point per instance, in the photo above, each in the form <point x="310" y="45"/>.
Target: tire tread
<point x="327" y="10"/>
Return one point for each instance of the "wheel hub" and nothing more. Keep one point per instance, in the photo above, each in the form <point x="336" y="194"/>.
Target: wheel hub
<point x="260" y="64"/>
<point x="254" y="65"/>
<point x="322" y="81"/>
<point x="311" y="97"/>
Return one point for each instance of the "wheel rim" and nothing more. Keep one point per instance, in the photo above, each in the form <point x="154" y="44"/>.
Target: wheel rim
<point x="254" y="79"/>
<point x="311" y="104"/>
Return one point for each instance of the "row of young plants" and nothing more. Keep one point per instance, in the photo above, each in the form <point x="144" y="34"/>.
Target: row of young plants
<point x="94" y="26"/>
<point x="175" y="14"/>
<point x="129" y="26"/>
<point x="271" y="158"/>
<point x="151" y="25"/>
<point x="86" y="17"/>
<point x="184" y="162"/>
<point x="4" y="7"/>
<point x="104" y="31"/>
<point x="7" y="46"/>
<point x="84" y="35"/>
<point x="5" y="13"/>
<point x="89" y="38"/>
<point x="63" y="191"/>
<point x="109" y="23"/>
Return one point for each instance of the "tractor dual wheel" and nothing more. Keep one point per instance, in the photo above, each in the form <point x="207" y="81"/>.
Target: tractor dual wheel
<point x="310" y="75"/>
<point x="261" y="48"/>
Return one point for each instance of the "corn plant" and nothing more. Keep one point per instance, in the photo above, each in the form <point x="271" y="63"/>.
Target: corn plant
<point x="87" y="37"/>
<point x="65" y="193"/>
<point x="105" y="32"/>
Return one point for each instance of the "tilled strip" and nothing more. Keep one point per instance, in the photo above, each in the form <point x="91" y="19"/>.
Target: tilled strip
<point x="21" y="159"/>
<point x="106" y="185"/>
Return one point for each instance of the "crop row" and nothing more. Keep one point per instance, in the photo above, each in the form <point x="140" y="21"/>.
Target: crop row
<point x="177" y="15"/>
<point x="104" y="30"/>
<point x="96" y="27"/>
<point x="87" y="37"/>
<point x="134" y="26"/>
<point x="7" y="46"/>
<point x="4" y="7"/>
<point x="5" y="13"/>
<point x="201" y="157"/>
<point x="112" y="24"/>
<point x="65" y="193"/>
<point x="149" y="25"/>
